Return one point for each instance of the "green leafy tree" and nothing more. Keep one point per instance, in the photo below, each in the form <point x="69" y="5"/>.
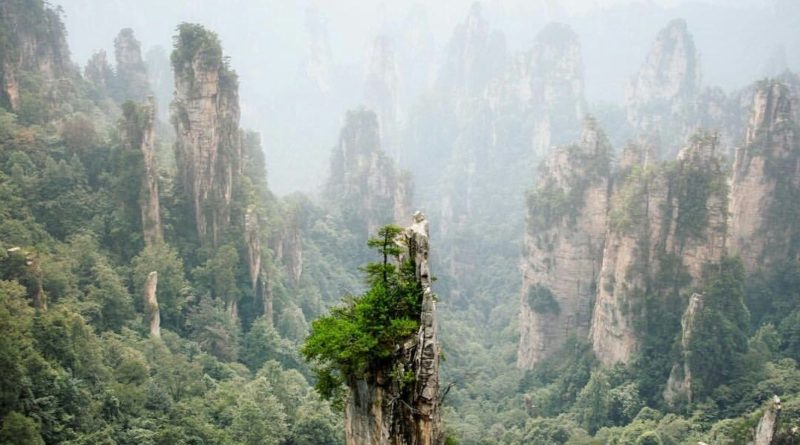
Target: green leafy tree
<point x="362" y="336"/>
<point x="18" y="429"/>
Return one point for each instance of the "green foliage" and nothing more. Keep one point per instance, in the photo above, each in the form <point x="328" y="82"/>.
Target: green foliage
<point x="193" y="40"/>
<point x="18" y="429"/>
<point x="556" y="201"/>
<point x="361" y="338"/>
<point x="719" y="337"/>
<point x="541" y="300"/>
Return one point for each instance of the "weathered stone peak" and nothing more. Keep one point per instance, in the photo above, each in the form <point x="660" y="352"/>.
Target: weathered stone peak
<point x="661" y="98"/>
<point x="768" y="424"/>
<point x="373" y="415"/>
<point x="132" y="82"/>
<point x="205" y="114"/>
<point x="773" y="108"/>
<point x="679" y="385"/>
<point x="766" y="181"/>
<point x="139" y="133"/>
<point x="671" y="70"/>
<point x="473" y="57"/>
<point x="364" y="183"/>
<point x="151" y="304"/>
<point x="563" y="244"/>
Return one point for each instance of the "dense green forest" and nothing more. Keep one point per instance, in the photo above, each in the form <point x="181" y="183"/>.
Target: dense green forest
<point x="270" y="309"/>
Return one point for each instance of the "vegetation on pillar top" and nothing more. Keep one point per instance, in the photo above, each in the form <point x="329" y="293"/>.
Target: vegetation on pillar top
<point x="362" y="337"/>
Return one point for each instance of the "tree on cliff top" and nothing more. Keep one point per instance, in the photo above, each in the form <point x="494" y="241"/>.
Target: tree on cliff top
<point x="360" y="338"/>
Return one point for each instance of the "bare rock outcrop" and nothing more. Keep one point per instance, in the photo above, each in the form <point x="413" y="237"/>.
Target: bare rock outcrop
<point x="563" y="245"/>
<point x="660" y="99"/>
<point x="205" y="114"/>
<point x="364" y="184"/>
<point x="139" y="135"/>
<point x="768" y="425"/>
<point x="151" y="304"/>
<point x="131" y="77"/>
<point x="377" y="413"/>
<point x="765" y="194"/>
<point x="666" y="222"/>
<point x="679" y="385"/>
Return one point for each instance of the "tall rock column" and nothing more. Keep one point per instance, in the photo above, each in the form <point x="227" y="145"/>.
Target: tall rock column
<point x="666" y="222"/>
<point x="139" y="133"/>
<point x="661" y="98"/>
<point x="205" y="114"/>
<point x="151" y="304"/>
<point x="564" y="244"/>
<point x="374" y="413"/>
<point x="364" y="183"/>
<point x="131" y="82"/>
<point x="765" y="193"/>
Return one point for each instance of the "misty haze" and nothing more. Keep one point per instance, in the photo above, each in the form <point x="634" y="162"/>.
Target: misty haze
<point x="400" y="222"/>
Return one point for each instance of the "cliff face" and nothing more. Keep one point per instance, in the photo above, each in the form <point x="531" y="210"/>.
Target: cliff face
<point x="765" y="225"/>
<point x="564" y="246"/>
<point x="665" y="223"/>
<point x="205" y="114"/>
<point x="132" y="81"/>
<point x="679" y="385"/>
<point x="545" y="83"/>
<point x="364" y="184"/>
<point x="661" y="97"/>
<point x="139" y="131"/>
<point x="529" y="104"/>
<point x="372" y="413"/>
<point x="35" y="41"/>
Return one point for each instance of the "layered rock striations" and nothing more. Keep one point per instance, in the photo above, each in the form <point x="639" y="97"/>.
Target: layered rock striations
<point x="665" y="223"/>
<point x="379" y="413"/>
<point x="364" y="184"/>
<point x="563" y="246"/>
<point x="139" y="135"/>
<point x="205" y="114"/>
<point x="765" y="194"/>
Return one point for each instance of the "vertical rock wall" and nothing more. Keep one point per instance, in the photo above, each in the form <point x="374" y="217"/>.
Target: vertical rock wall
<point x="564" y="246"/>
<point x="364" y="184"/>
<point x="765" y="195"/>
<point x="665" y="223"/>
<point x="205" y="114"/>
<point x="139" y="133"/>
